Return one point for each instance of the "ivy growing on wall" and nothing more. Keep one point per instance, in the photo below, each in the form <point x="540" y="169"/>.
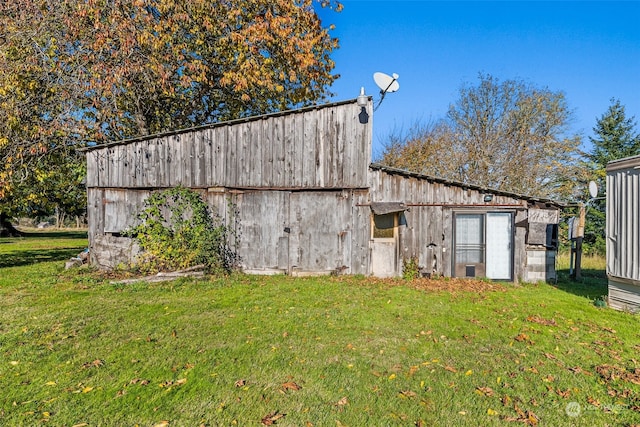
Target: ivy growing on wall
<point x="177" y="230"/>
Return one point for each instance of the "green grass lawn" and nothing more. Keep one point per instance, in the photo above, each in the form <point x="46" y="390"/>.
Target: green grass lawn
<point x="77" y="350"/>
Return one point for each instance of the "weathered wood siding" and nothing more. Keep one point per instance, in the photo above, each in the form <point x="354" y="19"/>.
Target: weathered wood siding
<point x="297" y="187"/>
<point x="316" y="148"/>
<point x="277" y="231"/>
<point x="623" y="233"/>
<point x="109" y="212"/>
<point x="428" y="230"/>
<point x="286" y="232"/>
<point x="302" y="171"/>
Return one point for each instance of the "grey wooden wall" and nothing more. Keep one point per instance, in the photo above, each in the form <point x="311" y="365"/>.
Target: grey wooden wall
<point x="319" y="147"/>
<point x="428" y="233"/>
<point x="298" y="180"/>
<point x="300" y="232"/>
<point x="293" y="232"/>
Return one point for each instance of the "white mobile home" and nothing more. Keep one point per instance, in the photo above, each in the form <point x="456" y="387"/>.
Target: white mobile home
<point x="623" y="233"/>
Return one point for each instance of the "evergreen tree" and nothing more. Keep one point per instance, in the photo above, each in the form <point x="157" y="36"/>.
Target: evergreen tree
<point x="615" y="138"/>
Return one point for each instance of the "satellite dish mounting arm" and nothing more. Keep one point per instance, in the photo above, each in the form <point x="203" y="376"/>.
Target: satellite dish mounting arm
<point x="386" y="84"/>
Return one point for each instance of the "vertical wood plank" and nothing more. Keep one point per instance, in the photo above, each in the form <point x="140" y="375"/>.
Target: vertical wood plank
<point x="294" y="140"/>
<point x="93" y="176"/>
<point x="198" y="159"/>
<point x="164" y="164"/>
<point x="278" y="140"/>
<point x="256" y="153"/>
<point x="320" y="166"/>
<point x="223" y="142"/>
<point x="308" y="149"/>
<point x="266" y="143"/>
<point x="231" y="167"/>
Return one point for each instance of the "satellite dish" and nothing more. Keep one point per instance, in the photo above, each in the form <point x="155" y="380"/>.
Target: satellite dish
<point x="386" y="83"/>
<point x="593" y="189"/>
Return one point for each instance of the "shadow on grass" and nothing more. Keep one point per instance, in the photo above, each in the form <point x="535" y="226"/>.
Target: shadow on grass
<point x="34" y="254"/>
<point x="592" y="285"/>
<point x="16" y="259"/>
<point x="62" y="234"/>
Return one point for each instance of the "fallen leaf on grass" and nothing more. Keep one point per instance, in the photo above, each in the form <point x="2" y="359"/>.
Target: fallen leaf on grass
<point x="532" y="419"/>
<point x="593" y="401"/>
<point x="95" y="364"/>
<point x="240" y="383"/>
<point x="272" y="418"/>
<point x="291" y="386"/>
<point x="528" y="417"/>
<point x="162" y="424"/>
<point x="343" y="401"/>
<point x="542" y="321"/>
<point x="486" y="391"/>
<point x="407" y="393"/>
<point x="611" y="373"/>
<point x="450" y="369"/>
<point x="170" y="383"/>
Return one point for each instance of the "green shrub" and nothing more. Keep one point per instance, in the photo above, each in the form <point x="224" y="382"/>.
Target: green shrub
<point x="410" y="268"/>
<point x="177" y="230"/>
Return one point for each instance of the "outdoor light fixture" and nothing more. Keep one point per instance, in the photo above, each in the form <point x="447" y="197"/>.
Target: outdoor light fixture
<point x="488" y="197"/>
<point x="363" y="99"/>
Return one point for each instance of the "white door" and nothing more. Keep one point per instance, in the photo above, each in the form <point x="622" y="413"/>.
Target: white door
<point x="499" y="255"/>
<point x="384" y="245"/>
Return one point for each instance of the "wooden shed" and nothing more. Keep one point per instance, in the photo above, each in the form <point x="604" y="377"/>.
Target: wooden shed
<point x="307" y="200"/>
<point x="623" y="233"/>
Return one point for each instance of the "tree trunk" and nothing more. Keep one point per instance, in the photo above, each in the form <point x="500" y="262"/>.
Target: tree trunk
<point x="6" y="228"/>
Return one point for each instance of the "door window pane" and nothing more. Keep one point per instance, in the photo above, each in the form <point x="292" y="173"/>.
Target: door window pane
<point x="383" y="226"/>
<point x="469" y="239"/>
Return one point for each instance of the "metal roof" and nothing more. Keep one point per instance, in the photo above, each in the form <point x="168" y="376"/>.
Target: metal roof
<point x="627" y="162"/>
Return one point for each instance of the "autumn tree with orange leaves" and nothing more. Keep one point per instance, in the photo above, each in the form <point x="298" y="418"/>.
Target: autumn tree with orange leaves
<point x="73" y="73"/>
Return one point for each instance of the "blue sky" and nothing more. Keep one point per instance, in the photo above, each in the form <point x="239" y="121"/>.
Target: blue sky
<point x="587" y="49"/>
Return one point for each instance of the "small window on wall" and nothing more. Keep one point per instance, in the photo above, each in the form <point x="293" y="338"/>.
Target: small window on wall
<point x="384" y="226"/>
